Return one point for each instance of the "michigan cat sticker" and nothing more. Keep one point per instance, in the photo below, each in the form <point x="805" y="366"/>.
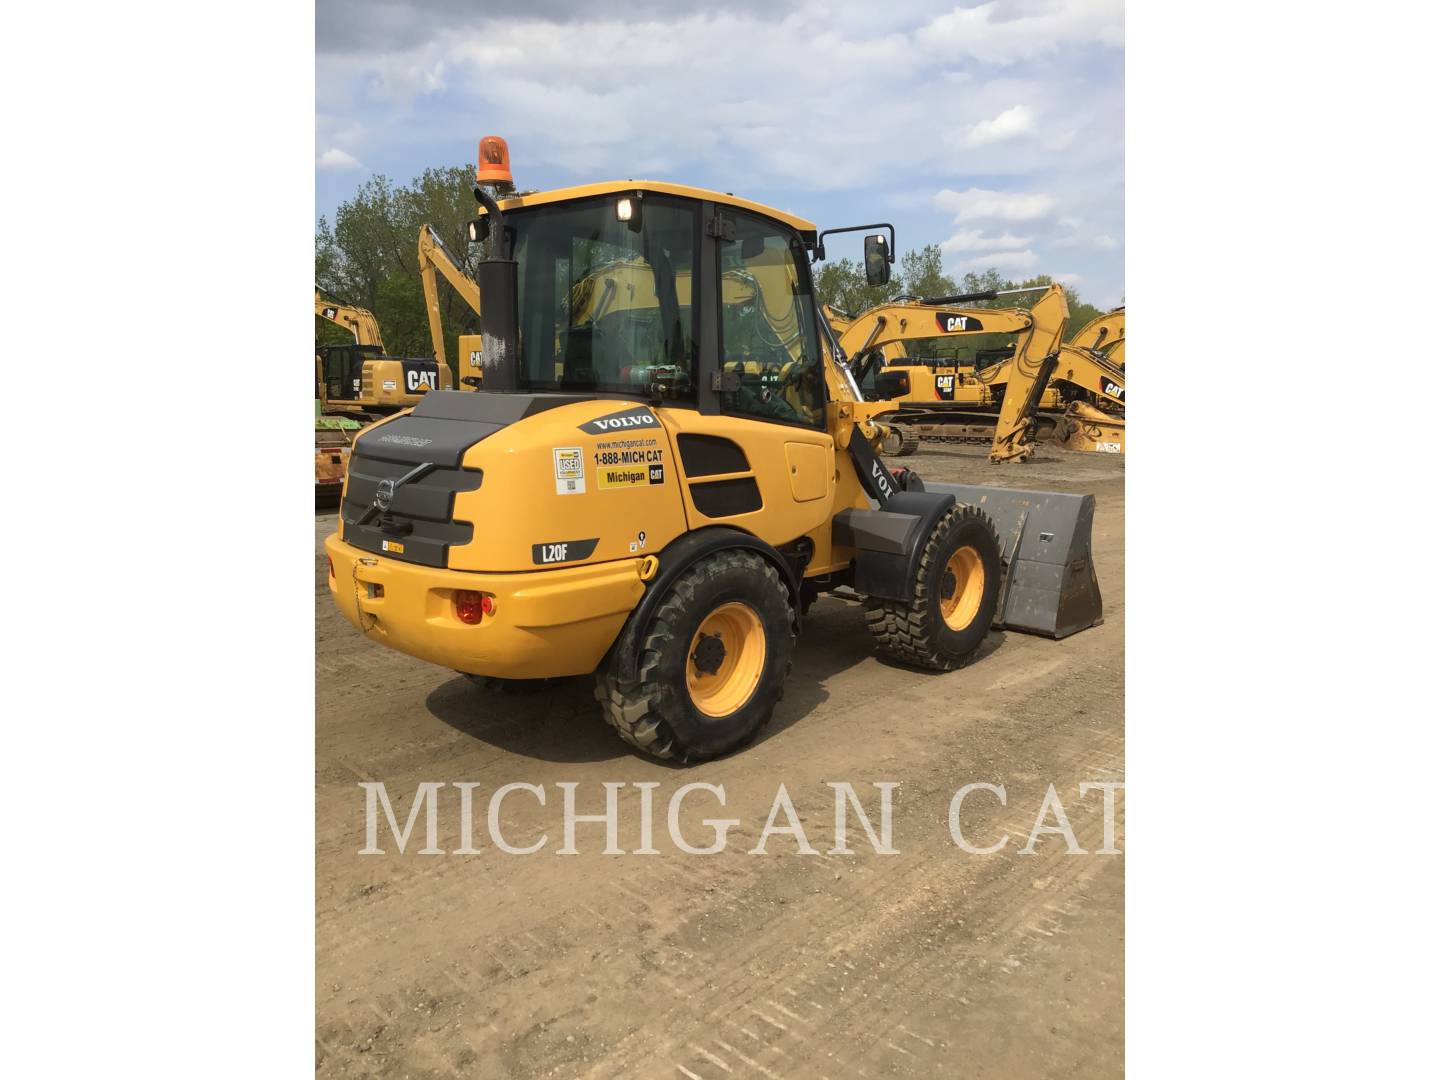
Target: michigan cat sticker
<point x="630" y="476"/>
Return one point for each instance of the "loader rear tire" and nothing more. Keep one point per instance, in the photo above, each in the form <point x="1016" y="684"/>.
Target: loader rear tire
<point x="957" y="586"/>
<point x="713" y="661"/>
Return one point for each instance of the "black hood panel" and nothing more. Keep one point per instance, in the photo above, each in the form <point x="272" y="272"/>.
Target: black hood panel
<point x="421" y="454"/>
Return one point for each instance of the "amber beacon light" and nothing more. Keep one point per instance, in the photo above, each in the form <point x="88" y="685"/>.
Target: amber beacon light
<point x="494" y="167"/>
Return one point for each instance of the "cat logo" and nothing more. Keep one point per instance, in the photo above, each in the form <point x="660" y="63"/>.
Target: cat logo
<point x="945" y="387"/>
<point x="1111" y="390"/>
<point x="950" y="323"/>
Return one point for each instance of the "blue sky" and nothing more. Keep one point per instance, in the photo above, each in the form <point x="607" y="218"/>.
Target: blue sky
<point x="996" y="130"/>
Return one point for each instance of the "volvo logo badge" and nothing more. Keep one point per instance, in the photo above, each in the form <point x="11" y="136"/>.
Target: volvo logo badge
<point x="384" y="492"/>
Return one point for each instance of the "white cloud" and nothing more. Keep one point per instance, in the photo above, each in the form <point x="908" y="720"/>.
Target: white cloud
<point x="1010" y="124"/>
<point x="1006" y="31"/>
<point x="977" y="240"/>
<point x="335" y="158"/>
<point x="738" y="113"/>
<point x="1105" y="242"/>
<point x="980" y="204"/>
<point x="1000" y="260"/>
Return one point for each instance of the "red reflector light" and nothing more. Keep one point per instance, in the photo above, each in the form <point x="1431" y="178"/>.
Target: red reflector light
<point x="471" y="605"/>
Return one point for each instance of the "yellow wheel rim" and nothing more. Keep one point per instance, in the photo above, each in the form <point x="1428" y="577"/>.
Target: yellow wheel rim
<point x="725" y="659"/>
<point x="961" y="585"/>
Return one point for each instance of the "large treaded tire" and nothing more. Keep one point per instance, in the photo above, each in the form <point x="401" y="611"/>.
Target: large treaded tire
<point x="916" y="632"/>
<point x="654" y="712"/>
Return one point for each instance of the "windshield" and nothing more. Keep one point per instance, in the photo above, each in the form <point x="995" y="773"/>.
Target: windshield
<point x="605" y="303"/>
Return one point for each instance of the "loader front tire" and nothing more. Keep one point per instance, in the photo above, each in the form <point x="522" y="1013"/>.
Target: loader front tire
<point x="956" y="589"/>
<point x="712" y="665"/>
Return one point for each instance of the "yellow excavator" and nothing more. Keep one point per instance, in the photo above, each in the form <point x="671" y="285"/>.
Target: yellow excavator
<point x="358" y="378"/>
<point x="653" y="494"/>
<point x="1078" y="407"/>
<point x="433" y="255"/>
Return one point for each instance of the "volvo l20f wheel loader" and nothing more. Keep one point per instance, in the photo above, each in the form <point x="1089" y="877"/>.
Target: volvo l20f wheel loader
<point x="667" y="463"/>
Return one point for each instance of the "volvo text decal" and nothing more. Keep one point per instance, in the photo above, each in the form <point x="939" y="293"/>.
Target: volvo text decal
<point x="628" y="420"/>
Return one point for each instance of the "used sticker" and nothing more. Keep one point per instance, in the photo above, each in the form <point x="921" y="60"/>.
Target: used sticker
<point x="393" y="546"/>
<point x="569" y="470"/>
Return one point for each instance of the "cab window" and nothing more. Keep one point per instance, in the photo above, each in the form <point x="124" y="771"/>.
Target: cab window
<point x="769" y="348"/>
<point x="605" y="299"/>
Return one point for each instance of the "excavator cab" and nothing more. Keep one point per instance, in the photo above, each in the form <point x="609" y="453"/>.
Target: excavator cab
<point x="343" y="367"/>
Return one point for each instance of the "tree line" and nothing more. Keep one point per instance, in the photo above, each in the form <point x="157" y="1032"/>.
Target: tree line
<point x="367" y="256"/>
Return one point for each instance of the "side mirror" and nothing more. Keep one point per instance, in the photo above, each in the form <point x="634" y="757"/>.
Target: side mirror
<point x="478" y="230"/>
<point x="877" y="260"/>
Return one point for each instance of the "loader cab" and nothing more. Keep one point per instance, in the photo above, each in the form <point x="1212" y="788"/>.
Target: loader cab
<point x="666" y="297"/>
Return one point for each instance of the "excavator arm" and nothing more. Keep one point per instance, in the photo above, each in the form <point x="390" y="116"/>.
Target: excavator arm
<point x="357" y="320"/>
<point x="1104" y="334"/>
<point x="434" y="255"/>
<point x="1037" y="353"/>
<point x="877" y="332"/>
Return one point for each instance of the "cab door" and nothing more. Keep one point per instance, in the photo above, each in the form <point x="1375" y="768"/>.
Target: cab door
<point x="764" y="462"/>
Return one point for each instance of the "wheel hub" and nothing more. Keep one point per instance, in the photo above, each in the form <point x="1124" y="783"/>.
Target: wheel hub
<point x="962" y="585"/>
<point x="727" y="658"/>
<point x="709" y="654"/>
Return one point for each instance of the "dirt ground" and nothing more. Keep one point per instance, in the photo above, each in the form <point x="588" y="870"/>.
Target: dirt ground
<point x="929" y="962"/>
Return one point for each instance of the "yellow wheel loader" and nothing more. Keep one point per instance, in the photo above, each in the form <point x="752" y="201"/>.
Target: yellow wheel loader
<point x="357" y="378"/>
<point x="1080" y="405"/>
<point x="652" y="491"/>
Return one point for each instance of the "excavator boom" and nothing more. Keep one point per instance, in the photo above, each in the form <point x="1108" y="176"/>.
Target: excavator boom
<point x="434" y="255"/>
<point x="357" y="320"/>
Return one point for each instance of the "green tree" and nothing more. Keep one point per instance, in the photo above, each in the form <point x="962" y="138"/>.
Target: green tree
<point x="922" y="273"/>
<point x="842" y="285"/>
<point x="368" y="257"/>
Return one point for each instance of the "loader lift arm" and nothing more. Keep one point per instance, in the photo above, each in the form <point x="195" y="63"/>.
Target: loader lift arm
<point x="434" y="255"/>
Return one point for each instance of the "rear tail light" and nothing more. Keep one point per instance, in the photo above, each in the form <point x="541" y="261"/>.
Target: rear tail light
<point x="472" y="606"/>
